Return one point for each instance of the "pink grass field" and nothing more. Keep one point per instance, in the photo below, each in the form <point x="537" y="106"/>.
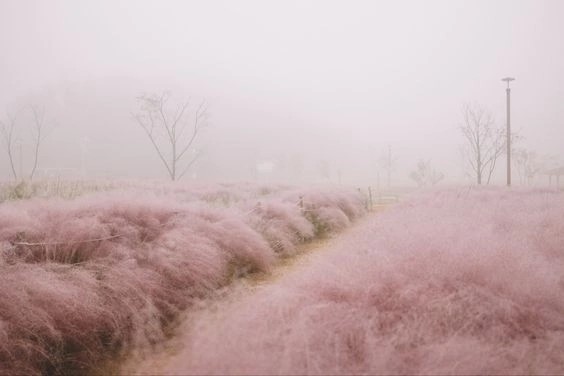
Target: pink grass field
<point x="86" y="280"/>
<point x="463" y="281"/>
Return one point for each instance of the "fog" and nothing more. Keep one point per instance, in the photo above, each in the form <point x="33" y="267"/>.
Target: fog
<point x="297" y="91"/>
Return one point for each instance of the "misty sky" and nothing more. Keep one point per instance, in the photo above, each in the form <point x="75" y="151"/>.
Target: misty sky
<point x="295" y="82"/>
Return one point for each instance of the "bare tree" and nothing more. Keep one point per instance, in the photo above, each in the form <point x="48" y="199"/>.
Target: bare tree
<point x="172" y="131"/>
<point x="484" y="141"/>
<point x="425" y="175"/>
<point x="530" y="164"/>
<point x="38" y="125"/>
<point x="9" y="131"/>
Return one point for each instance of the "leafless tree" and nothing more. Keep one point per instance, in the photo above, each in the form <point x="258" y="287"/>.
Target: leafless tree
<point x="425" y="175"/>
<point x="9" y="131"/>
<point x="38" y="113"/>
<point x="484" y="141"/>
<point x="171" y="130"/>
<point x="530" y="164"/>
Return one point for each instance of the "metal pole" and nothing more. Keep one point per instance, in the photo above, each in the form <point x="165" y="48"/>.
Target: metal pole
<point x="508" y="95"/>
<point x="508" y="91"/>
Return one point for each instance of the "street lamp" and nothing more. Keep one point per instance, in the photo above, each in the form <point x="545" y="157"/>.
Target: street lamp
<point x="508" y="94"/>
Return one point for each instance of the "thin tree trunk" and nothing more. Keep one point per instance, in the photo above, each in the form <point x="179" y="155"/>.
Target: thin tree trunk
<point x="8" y="134"/>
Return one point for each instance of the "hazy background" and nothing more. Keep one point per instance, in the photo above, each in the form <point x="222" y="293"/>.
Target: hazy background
<point x="316" y="89"/>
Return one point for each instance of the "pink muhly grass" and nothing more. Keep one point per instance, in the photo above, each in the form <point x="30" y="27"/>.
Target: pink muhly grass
<point x="282" y="224"/>
<point x="329" y="210"/>
<point x="450" y="282"/>
<point x="47" y="315"/>
<point x="86" y="280"/>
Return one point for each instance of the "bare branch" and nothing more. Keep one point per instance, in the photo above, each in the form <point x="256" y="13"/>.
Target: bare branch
<point x="200" y="114"/>
<point x="149" y="131"/>
<point x="154" y="113"/>
<point x="38" y="118"/>
<point x="178" y="115"/>
<point x="7" y="131"/>
<point x="28" y="244"/>
<point x="161" y="111"/>
<point x="190" y="165"/>
<point x="484" y="141"/>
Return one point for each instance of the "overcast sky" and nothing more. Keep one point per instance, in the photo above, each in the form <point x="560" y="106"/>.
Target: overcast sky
<point x="333" y="81"/>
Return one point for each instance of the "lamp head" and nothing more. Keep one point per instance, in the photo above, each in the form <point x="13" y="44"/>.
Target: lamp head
<point x="508" y="80"/>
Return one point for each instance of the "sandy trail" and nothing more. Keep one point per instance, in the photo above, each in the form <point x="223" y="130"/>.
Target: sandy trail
<point x="155" y="360"/>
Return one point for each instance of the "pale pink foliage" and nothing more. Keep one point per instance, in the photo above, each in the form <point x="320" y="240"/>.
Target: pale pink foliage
<point x="83" y="280"/>
<point x="329" y="211"/>
<point x="282" y="224"/>
<point x="452" y="282"/>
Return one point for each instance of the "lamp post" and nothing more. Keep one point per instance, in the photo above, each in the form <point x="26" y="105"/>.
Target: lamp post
<point x="508" y="95"/>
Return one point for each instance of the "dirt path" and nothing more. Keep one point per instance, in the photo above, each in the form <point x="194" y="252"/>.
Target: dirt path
<point x="155" y="360"/>
<point x="305" y="255"/>
<point x="283" y="266"/>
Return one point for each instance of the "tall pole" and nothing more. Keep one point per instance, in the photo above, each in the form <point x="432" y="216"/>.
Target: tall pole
<point x="508" y="97"/>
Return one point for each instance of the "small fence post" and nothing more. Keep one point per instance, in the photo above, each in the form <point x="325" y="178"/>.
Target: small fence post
<point x="364" y="197"/>
<point x="301" y="203"/>
<point x="370" y="198"/>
